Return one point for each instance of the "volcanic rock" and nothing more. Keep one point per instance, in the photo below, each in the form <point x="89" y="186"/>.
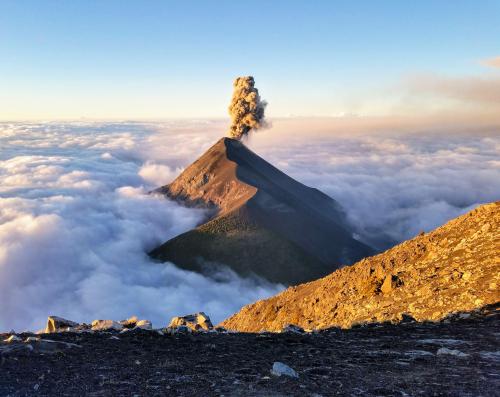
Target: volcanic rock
<point x="280" y="369"/>
<point x="444" y="351"/>
<point x="134" y="323"/>
<point x="195" y="322"/>
<point x="13" y="338"/>
<point x="262" y="222"/>
<point x="129" y="322"/>
<point x="386" y="360"/>
<point x="454" y="269"/>
<point x="103" y="325"/>
<point x="58" y="324"/>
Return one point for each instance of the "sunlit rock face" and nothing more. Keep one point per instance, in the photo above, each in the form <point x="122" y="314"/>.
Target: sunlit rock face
<point x="455" y="268"/>
<point x="195" y="322"/>
<point x="262" y="222"/>
<point x="56" y="324"/>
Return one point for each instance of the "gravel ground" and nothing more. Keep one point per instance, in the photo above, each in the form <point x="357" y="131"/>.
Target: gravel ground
<point x="457" y="358"/>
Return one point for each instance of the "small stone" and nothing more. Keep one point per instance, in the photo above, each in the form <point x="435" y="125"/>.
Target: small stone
<point x="466" y="276"/>
<point x="406" y="318"/>
<point x="280" y="369"/>
<point x="387" y="285"/>
<point x="451" y="352"/>
<point x="32" y="339"/>
<point x="13" y="338"/>
<point x="181" y="329"/>
<point x="485" y="228"/>
<point x="294" y="329"/>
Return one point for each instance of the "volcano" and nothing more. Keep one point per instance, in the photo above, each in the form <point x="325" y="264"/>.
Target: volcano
<point x="261" y="222"/>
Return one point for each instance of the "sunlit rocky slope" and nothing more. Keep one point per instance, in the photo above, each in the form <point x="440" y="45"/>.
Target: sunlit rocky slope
<point x="262" y="221"/>
<point x="455" y="268"/>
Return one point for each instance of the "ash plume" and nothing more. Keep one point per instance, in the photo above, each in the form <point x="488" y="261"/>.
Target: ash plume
<point x="246" y="108"/>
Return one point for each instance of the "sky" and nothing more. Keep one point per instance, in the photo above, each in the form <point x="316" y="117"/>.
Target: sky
<point x="165" y="59"/>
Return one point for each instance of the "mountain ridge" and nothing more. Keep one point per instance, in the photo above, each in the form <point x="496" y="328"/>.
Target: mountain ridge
<point x="455" y="268"/>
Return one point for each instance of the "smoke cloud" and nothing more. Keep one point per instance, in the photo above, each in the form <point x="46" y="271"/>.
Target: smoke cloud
<point x="246" y="108"/>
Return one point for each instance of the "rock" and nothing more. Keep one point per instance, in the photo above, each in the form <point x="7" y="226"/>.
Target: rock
<point x="130" y="322"/>
<point x="406" y="318"/>
<point x="181" y="329"/>
<point x="15" y="348"/>
<point x="133" y="323"/>
<point x="280" y="369"/>
<point x="32" y="339"/>
<point x="13" y="338"/>
<point x="387" y="285"/>
<point x="106" y="325"/>
<point x="58" y="324"/>
<point x="144" y="324"/>
<point x="294" y="329"/>
<point x="50" y="346"/>
<point x="196" y="322"/>
<point x="466" y="276"/>
<point x="451" y="352"/>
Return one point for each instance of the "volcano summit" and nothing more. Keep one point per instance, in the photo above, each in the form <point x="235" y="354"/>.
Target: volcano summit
<point x="262" y="222"/>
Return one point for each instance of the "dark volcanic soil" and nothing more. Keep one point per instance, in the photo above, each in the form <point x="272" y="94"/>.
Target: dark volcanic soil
<point x="382" y="360"/>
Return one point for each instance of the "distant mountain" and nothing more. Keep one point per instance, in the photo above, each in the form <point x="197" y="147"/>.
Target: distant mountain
<point x="455" y="268"/>
<point x="262" y="222"/>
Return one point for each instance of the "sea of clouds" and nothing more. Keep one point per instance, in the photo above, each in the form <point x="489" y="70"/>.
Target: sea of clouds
<point x="76" y="221"/>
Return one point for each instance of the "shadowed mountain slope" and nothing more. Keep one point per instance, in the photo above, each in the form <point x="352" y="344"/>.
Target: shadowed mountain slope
<point x="262" y="221"/>
<point x="455" y="268"/>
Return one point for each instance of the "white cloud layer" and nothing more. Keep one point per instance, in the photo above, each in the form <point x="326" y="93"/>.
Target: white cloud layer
<point x="75" y="226"/>
<point x="75" y="222"/>
<point x="392" y="185"/>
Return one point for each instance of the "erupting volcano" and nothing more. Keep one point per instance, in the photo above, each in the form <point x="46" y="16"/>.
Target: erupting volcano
<point x="262" y="222"/>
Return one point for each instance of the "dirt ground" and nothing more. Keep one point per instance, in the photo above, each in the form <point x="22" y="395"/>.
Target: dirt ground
<point x="379" y="360"/>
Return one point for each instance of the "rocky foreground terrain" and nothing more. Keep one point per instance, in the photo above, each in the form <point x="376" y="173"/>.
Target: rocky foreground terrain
<point x="455" y="268"/>
<point x="459" y="356"/>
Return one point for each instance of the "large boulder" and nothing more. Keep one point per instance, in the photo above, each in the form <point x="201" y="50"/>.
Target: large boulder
<point x="196" y="322"/>
<point x="58" y="324"/>
<point x="106" y="325"/>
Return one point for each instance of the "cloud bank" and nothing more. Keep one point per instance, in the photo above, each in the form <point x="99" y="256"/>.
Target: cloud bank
<point x="491" y="62"/>
<point x="391" y="184"/>
<point x="471" y="89"/>
<point x="75" y="226"/>
<point x="76" y="222"/>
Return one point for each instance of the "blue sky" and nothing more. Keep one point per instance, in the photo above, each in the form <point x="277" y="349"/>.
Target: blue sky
<point x="161" y="59"/>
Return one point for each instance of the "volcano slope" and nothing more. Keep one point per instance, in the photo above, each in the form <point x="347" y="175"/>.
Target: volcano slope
<point x="262" y="222"/>
<point x="455" y="268"/>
